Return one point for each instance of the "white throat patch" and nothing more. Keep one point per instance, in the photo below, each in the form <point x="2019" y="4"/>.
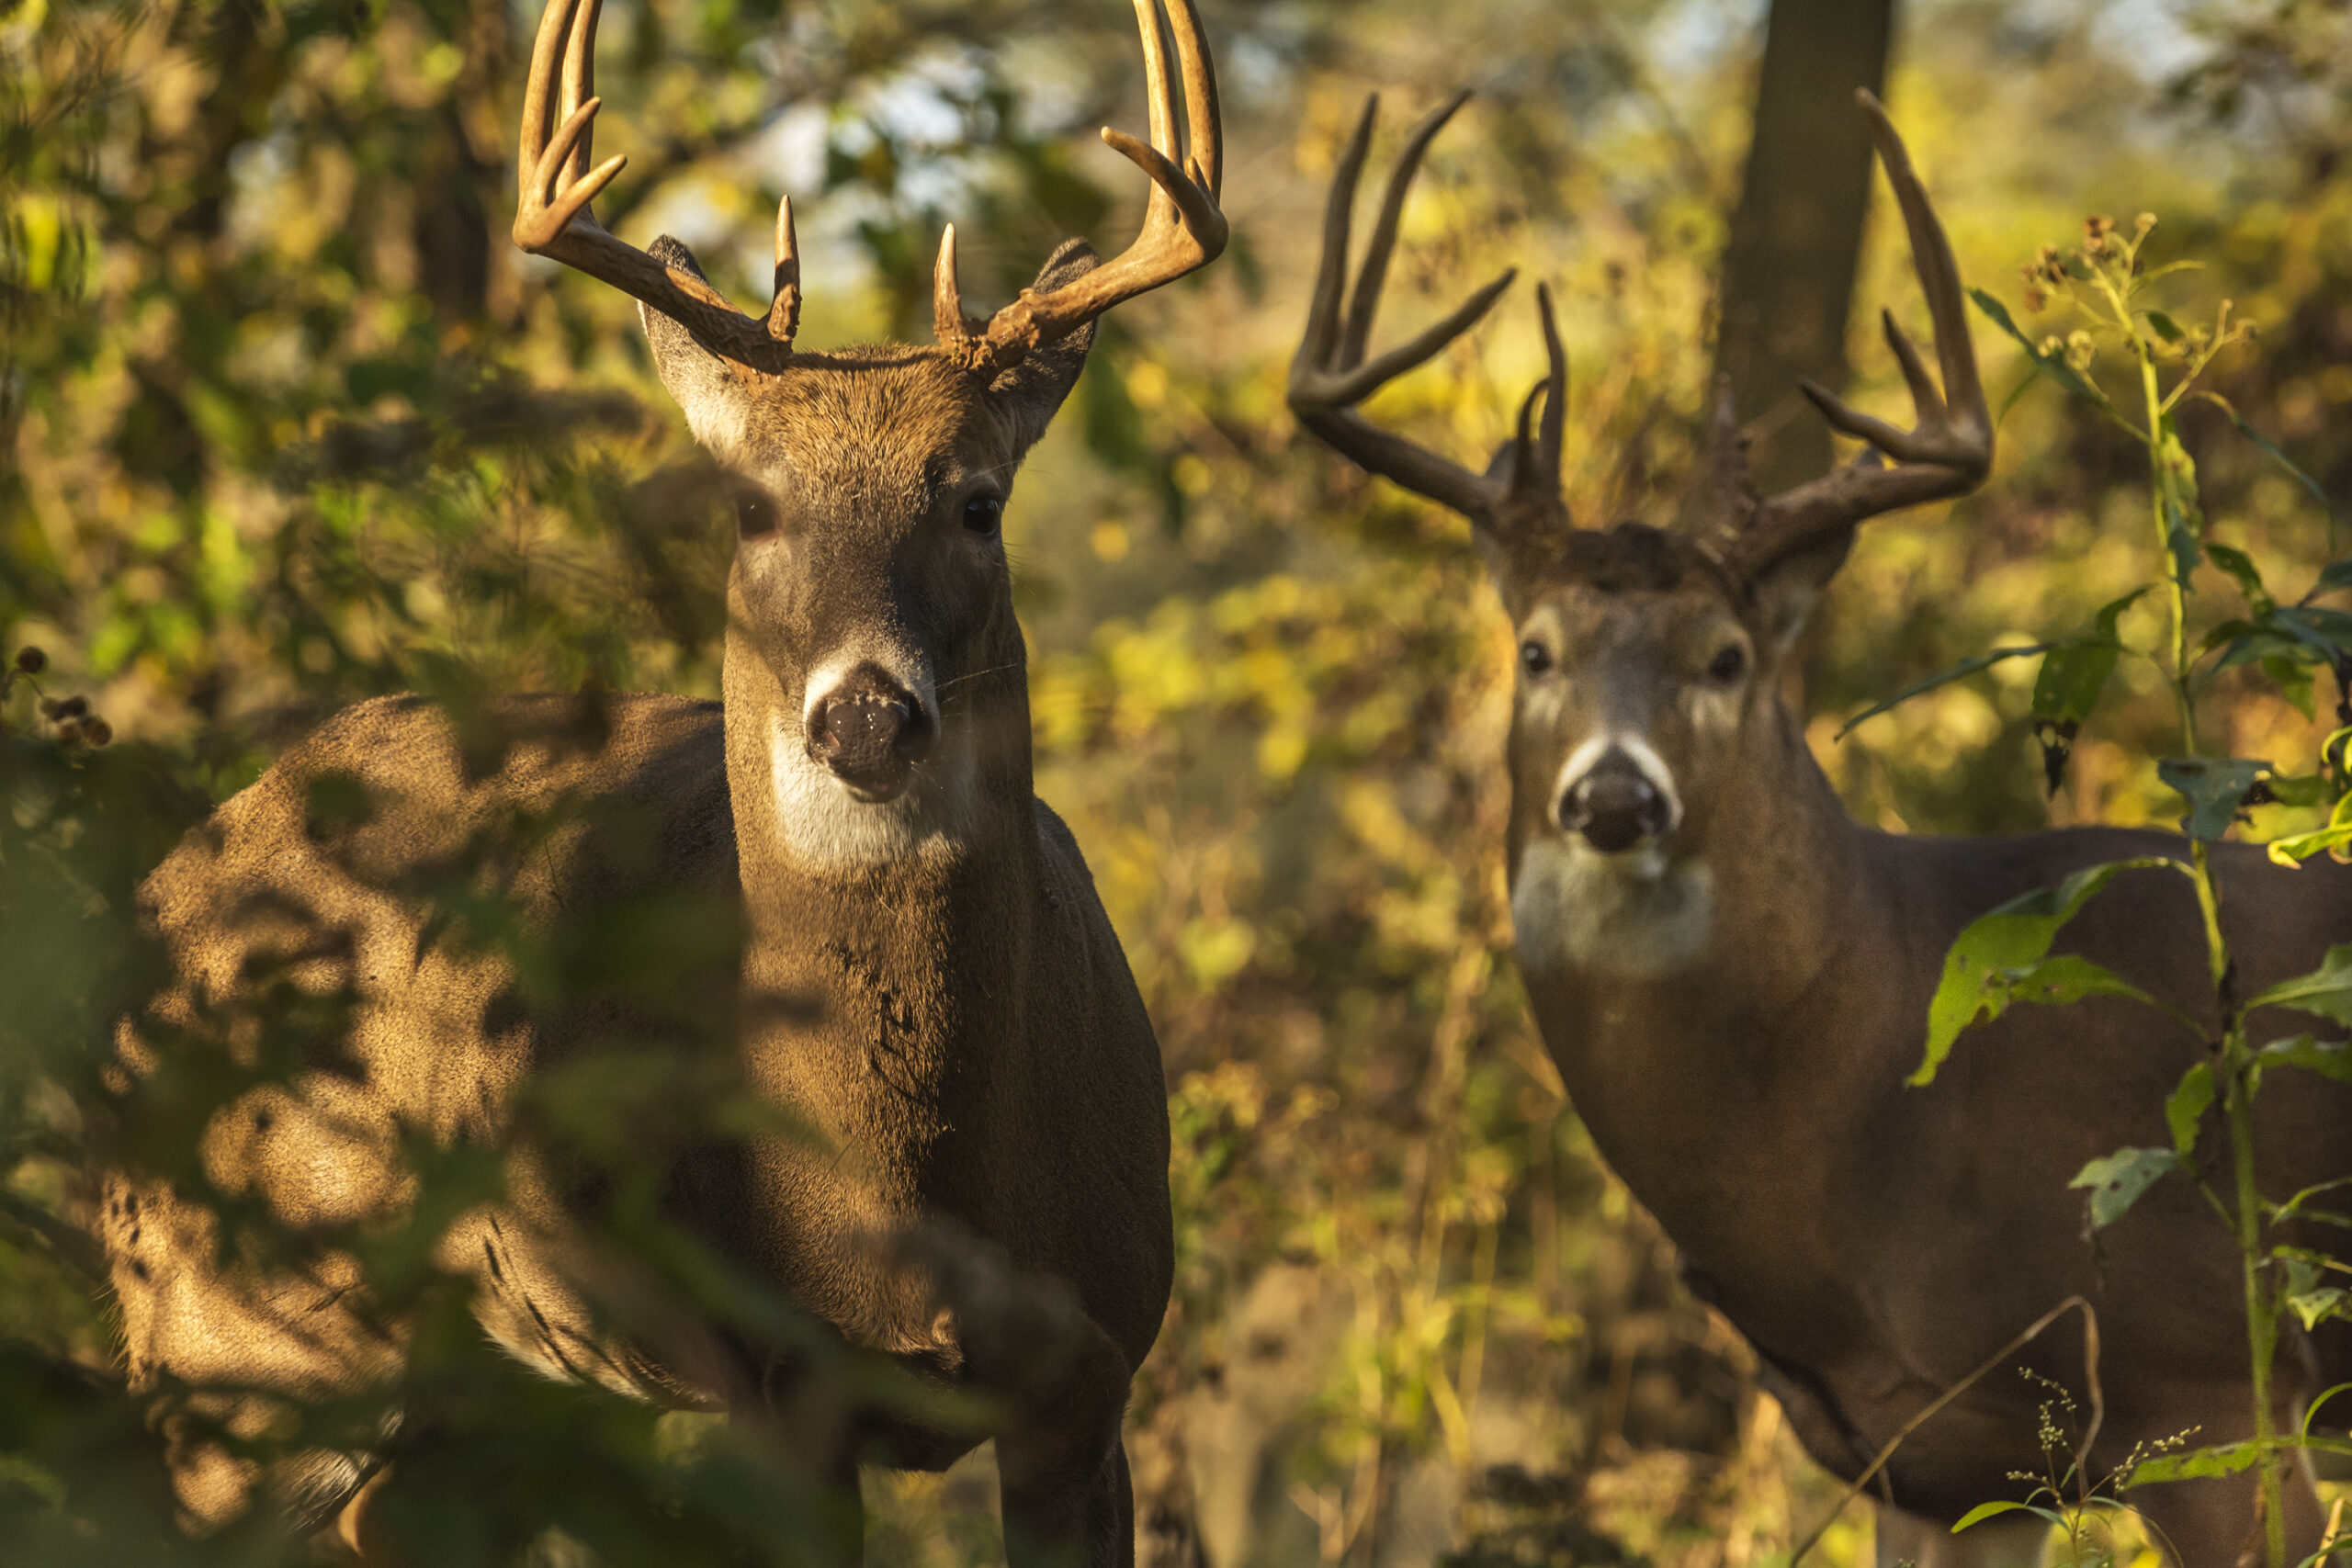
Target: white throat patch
<point x="826" y="828"/>
<point x="1633" y="916"/>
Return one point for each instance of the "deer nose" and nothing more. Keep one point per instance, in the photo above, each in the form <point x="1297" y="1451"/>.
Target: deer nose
<point x="1615" y="806"/>
<point x="870" y="730"/>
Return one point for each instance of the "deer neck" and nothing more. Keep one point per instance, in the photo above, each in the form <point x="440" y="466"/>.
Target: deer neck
<point x="887" y="948"/>
<point x="1685" y="1008"/>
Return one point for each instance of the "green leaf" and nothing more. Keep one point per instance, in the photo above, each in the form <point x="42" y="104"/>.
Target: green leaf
<point x="2327" y="991"/>
<point x="2241" y="567"/>
<point x="2198" y="1464"/>
<point x="2117" y="1180"/>
<point x="2050" y="365"/>
<point x="2302" y="789"/>
<point x="2269" y="450"/>
<point x="2166" y="327"/>
<point x="2296" y="848"/>
<point x="2000" y="952"/>
<point x="1984" y="1511"/>
<point x="2067" y="688"/>
<point x="2307" y="1295"/>
<point x="2184" y="1110"/>
<point x="2334" y="575"/>
<point x="2215" y="788"/>
<point x="2073" y="675"/>
<point x="2293" y="679"/>
<point x="2227" y="1459"/>
<point x="1943" y="678"/>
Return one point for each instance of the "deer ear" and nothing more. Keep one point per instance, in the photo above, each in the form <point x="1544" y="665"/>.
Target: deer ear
<point x="704" y="386"/>
<point x="1032" y="391"/>
<point x="1786" y="590"/>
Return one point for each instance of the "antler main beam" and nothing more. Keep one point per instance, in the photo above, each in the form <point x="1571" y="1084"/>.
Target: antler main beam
<point x="1184" y="229"/>
<point x="1947" y="452"/>
<point x="1330" y="375"/>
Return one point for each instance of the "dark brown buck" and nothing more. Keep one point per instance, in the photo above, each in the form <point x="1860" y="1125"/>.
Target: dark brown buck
<point x="919" y="971"/>
<point x="1732" y="975"/>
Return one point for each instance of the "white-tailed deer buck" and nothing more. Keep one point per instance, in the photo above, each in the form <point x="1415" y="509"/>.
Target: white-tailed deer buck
<point x="917" y="969"/>
<point x="1732" y="975"/>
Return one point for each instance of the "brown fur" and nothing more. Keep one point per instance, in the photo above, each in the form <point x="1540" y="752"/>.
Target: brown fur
<point x="1872" y="1240"/>
<point x="939" y="999"/>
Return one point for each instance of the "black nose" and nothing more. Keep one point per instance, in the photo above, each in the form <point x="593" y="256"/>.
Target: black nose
<point x="1615" y="806"/>
<point x="871" y="731"/>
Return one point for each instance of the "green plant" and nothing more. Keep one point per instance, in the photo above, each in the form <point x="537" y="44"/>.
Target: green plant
<point x="2003" y="957"/>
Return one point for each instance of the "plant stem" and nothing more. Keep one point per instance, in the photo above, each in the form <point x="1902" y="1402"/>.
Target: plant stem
<point x="2261" y="1320"/>
<point x="2236" y="1065"/>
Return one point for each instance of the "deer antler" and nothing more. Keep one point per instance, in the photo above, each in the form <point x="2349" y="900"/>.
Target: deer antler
<point x="552" y="216"/>
<point x="1328" y="375"/>
<point x="1182" y="228"/>
<point x="1948" y="450"/>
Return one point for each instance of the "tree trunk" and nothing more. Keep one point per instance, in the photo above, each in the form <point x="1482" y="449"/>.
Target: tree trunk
<point x="1797" y="234"/>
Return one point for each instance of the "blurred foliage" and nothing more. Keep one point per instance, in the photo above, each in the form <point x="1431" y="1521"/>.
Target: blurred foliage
<point x="289" y="424"/>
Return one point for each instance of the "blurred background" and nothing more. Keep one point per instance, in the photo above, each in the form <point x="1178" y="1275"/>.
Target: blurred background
<point x="287" y="421"/>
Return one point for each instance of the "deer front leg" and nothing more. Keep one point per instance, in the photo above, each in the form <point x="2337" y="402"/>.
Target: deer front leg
<point x="1068" y="1500"/>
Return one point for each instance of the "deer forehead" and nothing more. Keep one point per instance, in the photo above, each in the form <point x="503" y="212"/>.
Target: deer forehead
<point x="888" y="430"/>
<point x="1585" y="622"/>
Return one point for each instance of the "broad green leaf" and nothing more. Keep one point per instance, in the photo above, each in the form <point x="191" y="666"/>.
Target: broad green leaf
<point x="2184" y="1109"/>
<point x="2327" y="991"/>
<point x="2215" y="788"/>
<point x="2334" y="575"/>
<point x="2226" y="1459"/>
<point x="1999" y="950"/>
<point x="2242" y="570"/>
<point x="2198" y="1464"/>
<point x="2315" y="1307"/>
<point x="2328" y="1058"/>
<point x="1943" y="678"/>
<point x="2073" y="675"/>
<point x="2296" y="848"/>
<point x="2067" y="688"/>
<point x="2302" y="789"/>
<point x="2308" y="1294"/>
<point x="2117" y="1180"/>
<point x="2293" y="679"/>
<point x="2267" y="450"/>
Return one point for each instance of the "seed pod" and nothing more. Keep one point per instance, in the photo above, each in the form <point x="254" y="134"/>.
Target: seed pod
<point x="97" y="731"/>
<point x="32" y="660"/>
<point x="72" y="707"/>
<point x="68" y="733"/>
<point x="52" y="708"/>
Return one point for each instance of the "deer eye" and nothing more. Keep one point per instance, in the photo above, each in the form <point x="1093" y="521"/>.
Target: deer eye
<point x="1728" y="665"/>
<point x="755" y="515"/>
<point x="983" y="514"/>
<point x="1535" y="657"/>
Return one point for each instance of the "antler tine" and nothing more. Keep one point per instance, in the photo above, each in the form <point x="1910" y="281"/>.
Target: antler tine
<point x="1556" y="392"/>
<point x="1373" y="274"/>
<point x="1949" y="449"/>
<point x="1327" y="382"/>
<point x="1319" y="346"/>
<point x="556" y="185"/>
<point x="1182" y="228"/>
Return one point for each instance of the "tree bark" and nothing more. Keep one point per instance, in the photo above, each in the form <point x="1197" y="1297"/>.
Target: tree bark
<point x="1796" y="235"/>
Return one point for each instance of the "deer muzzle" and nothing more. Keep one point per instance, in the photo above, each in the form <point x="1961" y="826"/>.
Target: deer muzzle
<point x="1615" y="804"/>
<point x="871" y="731"/>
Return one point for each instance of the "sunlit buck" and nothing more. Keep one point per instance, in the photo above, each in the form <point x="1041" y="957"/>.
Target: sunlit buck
<point x="908" y="956"/>
<point x="1734" y="976"/>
